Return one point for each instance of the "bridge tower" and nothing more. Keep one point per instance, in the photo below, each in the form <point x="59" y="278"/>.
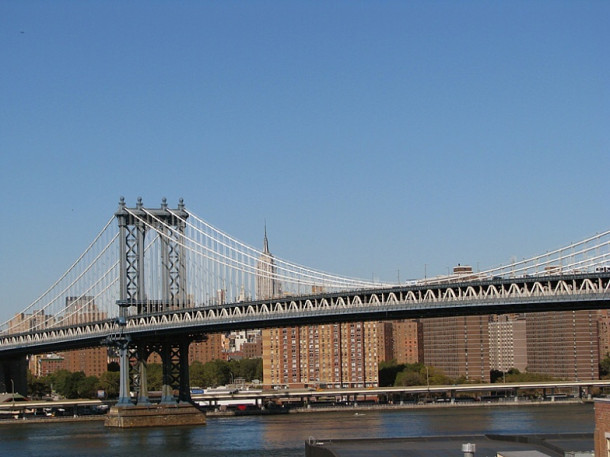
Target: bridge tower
<point x="134" y="224"/>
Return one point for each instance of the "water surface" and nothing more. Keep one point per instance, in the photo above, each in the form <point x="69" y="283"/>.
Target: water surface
<point x="284" y="435"/>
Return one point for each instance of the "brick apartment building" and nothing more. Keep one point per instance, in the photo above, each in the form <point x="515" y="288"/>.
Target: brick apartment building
<point x="563" y="344"/>
<point x="91" y="361"/>
<point x="459" y="346"/>
<point x="332" y="355"/>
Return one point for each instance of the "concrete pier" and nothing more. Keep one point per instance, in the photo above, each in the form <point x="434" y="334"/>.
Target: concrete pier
<point x="154" y="416"/>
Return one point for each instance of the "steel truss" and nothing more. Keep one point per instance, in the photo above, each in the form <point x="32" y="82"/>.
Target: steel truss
<point x="583" y="291"/>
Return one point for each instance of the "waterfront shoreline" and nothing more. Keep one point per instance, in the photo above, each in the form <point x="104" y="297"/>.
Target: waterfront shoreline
<point x="396" y="407"/>
<point x="51" y="420"/>
<point x="326" y="409"/>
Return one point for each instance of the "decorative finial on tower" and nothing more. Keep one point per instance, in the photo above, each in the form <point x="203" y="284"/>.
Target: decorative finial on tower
<point x="139" y="204"/>
<point x="121" y="202"/>
<point x="181" y="204"/>
<point x="164" y="203"/>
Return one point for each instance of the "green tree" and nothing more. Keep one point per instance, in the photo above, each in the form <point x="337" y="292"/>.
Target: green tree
<point x="388" y="371"/>
<point x="196" y="374"/>
<point x="604" y="366"/>
<point x="258" y="373"/>
<point x="87" y="387"/>
<point x="437" y="377"/>
<point x="59" y="381"/>
<point x="496" y="375"/>
<point x="220" y="372"/>
<point x="38" y="387"/>
<point x="527" y="377"/>
<point x="248" y="369"/>
<point x="418" y="374"/>
<point x="154" y="376"/>
<point x="409" y="378"/>
<point x="109" y="382"/>
<point x="66" y="383"/>
<point x="216" y="373"/>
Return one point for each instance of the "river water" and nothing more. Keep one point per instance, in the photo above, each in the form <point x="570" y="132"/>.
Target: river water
<point x="284" y="435"/>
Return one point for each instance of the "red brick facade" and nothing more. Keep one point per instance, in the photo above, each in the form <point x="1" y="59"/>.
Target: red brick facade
<point x="602" y="427"/>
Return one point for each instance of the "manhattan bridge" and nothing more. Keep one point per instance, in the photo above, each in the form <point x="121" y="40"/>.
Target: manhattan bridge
<point x="156" y="279"/>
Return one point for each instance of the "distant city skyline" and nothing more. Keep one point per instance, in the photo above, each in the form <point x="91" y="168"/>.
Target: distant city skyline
<point x="376" y="141"/>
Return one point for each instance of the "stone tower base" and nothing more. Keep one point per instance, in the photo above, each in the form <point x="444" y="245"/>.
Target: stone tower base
<point x="154" y="416"/>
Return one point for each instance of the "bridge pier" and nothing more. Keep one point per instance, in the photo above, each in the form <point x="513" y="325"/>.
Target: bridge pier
<point x="133" y="226"/>
<point x="143" y="374"/>
<point x="124" y="398"/>
<point x="173" y="409"/>
<point x="13" y="375"/>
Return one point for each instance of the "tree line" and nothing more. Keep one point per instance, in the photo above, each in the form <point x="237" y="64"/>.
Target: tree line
<point x="221" y="372"/>
<point x="418" y="374"/>
<point x="77" y="385"/>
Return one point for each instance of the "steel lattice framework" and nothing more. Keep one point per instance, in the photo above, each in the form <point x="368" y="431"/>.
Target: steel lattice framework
<point x="567" y="292"/>
<point x="178" y="267"/>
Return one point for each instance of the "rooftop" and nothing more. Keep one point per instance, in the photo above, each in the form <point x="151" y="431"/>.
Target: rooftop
<point x="558" y="445"/>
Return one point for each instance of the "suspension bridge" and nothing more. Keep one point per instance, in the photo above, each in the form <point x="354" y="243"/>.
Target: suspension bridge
<point x="154" y="279"/>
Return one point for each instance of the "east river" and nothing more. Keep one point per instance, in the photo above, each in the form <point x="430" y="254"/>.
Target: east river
<point x="284" y="435"/>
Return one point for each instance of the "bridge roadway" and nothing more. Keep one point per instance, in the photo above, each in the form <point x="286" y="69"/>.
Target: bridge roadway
<point x="468" y="297"/>
<point x="262" y="397"/>
<point x="22" y="406"/>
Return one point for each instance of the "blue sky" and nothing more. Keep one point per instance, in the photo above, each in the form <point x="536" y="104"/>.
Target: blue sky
<point x="376" y="139"/>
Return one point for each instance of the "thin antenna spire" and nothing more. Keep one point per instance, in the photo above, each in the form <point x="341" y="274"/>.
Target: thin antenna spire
<point x="265" y="240"/>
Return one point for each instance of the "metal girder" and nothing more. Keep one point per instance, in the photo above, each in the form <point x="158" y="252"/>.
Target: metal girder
<point x="134" y="223"/>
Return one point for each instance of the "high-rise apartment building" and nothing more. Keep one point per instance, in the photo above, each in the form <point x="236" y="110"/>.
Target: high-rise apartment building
<point x="407" y="340"/>
<point x="563" y="344"/>
<point x="23" y="323"/>
<point x="370" y="355"/>
<point x="459" y="346"/>
<point x="507" y="342"/>
<point x="604" y="333"/>
<point x="333" y="355"/>
<point x="82" y="309"/>
<point x="91" y="361"/>
<point x="45" y="364"/>
<point x="282" y="362"/>
<point x="206" y="351"/>
<point x="385" y="341"/>
<point x="358" y="354"/>
<point x="252" y="349"/>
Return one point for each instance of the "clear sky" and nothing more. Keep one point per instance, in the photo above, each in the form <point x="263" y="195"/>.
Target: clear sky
<point x="376" y="138"/>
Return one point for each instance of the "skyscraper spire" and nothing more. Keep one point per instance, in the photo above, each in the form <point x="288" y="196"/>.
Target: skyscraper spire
<point x="267" y="283"/>
<point x="266" y="241"/>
